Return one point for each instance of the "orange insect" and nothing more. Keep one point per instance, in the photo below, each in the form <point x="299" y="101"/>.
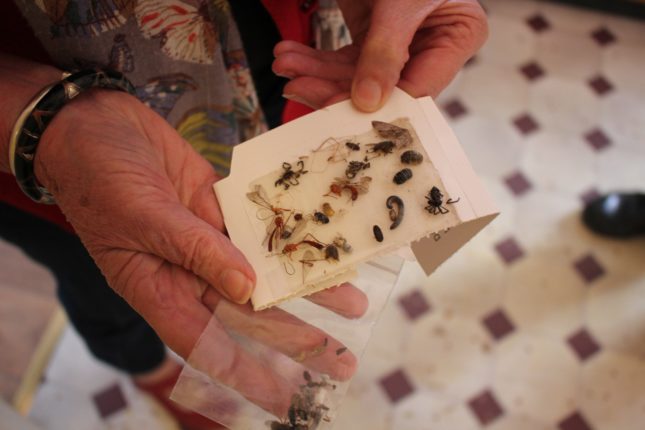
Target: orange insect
<point x="355" y="188"/>
<point x="276" y="227"/>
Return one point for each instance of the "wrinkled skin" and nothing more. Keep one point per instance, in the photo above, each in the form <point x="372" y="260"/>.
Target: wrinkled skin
<point x="417" y="45"/>
<point x="141" y="200"/>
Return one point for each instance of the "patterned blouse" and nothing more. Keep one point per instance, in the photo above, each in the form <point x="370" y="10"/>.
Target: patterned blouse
<point x="185" y="58"/>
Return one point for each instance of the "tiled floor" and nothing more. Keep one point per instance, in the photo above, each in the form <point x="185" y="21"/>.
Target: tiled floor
<point x="27" y="302"/>
<point x="536" y="324"/>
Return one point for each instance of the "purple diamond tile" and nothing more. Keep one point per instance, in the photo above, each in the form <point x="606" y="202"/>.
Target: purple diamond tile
<point x="590" y="195"/>
<point x="498" y="324"/>
<point x="583" y="344"/>
<point x="589" y="268"/>
<point x="485" y="407"/>
<point x="575" y="421"/>
<point x="525" y="124"/>
<point x="538" y="23"/>
<point x="600" y="85"/>
<point x="597" y="139"/>
<point x="414" y="304"/>
<point x="455" y="109"/>
<point x="603" y="36"/>
<point x="532" y="71"/>
<point x="509" y="250"/>
<point x="109" y="401"/>
<point x="518" y="183"/>
<point x="396" y="385"/>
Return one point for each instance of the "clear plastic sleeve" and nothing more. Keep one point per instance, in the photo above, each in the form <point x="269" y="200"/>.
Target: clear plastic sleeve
<point x="287" y="367"/>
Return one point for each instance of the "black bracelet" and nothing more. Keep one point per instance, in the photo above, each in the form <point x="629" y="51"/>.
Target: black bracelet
<point x="34" y="119"/>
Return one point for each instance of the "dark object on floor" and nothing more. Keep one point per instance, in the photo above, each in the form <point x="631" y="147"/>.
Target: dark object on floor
<point x="629" y="8"/>
<point x="619" y="215"/>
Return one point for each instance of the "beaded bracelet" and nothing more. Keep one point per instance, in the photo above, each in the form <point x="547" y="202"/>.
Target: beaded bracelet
<point x="33" y="121"/>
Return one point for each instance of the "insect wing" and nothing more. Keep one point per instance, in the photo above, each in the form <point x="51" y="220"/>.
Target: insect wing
<point x="259" y="197"/>
<point x="391" y="131"/>
<point x="307" y="263"/>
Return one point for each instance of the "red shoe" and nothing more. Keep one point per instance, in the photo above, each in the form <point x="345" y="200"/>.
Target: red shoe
<point x="188" y="420"/>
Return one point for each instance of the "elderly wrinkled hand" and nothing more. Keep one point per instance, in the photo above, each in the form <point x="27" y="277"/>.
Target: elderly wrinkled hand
<point x="417" y="45"/>
<point x="141" y="200"/>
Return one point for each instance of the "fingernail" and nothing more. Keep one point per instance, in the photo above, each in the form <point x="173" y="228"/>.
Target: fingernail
<point x="300" y="100"/>
<point x="236" y="286"/>
<point x="285" y="74"/>
<point x="367" y="94"/>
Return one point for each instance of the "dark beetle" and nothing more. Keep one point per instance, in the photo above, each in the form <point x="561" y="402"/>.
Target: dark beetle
<point x="378" y="234"/>
<point x="321" y="218"/>
<point x="411" y="157"/>
<point x="331" y="252"/>
<point x="402" y="176"/>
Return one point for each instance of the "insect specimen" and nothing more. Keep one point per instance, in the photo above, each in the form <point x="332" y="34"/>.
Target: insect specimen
<point x="320" y="218"/>
<point x="396" y="207"/>
<point x="275" y="228"/>
<point x="289" y="176"/>
<point x="353" y="167"/>
<point x="309" y="239"/>
<point x="330" y="251"/>
<point x="411" y="157"/>
<point x="382" y="148"/>
<point x="328" y="210"/>
<point x="306" y="411"/>
<point x="342" y="243"/>
<point x="353" y="146"/>
<point x="389" y="131"/>
<point x="378" y="234"/>
<point x="435" y="202"/>
<point x="355" y="188"/>
<point x="402" y="176"/>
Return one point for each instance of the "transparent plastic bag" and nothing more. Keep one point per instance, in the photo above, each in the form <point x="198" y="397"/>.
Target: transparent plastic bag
<point x="287" y="367"/>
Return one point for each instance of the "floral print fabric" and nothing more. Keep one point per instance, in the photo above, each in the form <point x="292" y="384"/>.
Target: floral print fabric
<point x="184" y="57"/>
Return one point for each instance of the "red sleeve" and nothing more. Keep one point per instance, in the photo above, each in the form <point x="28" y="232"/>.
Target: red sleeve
<point x="293" y="19"/>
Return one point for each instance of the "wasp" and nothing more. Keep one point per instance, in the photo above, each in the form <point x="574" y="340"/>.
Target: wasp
<point x="276" y="228"/>
<point x="355" y="188"/>
<point x="435" y="202"/>
<point x="308" y="239"/>
<point x="289" y="176"/>
<point x="389" y="131"/>
<point x="353" y="167"/>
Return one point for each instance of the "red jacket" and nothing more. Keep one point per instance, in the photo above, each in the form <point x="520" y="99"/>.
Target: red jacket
<point x="16" y="38"/>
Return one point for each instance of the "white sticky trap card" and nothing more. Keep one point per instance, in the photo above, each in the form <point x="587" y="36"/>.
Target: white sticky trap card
<point x="322" y="200"/>
<point x="311" y="200"/>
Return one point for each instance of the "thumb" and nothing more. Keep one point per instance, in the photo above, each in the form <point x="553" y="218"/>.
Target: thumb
<point x="385" y="50"/>
<point x="177" y="235"/>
